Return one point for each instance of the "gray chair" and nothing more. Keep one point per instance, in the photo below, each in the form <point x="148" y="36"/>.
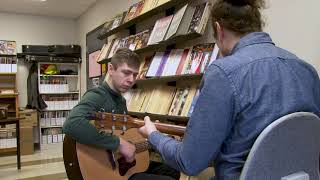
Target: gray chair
<point x="288" y="149"/>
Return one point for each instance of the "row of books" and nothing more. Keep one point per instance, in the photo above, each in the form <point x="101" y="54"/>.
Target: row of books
<point x="134" y="11"/>
<point x="53" y="85"/>
<point x="188" y="19"/>
<point x="8" y="47"/>
<point x="8" y="65"/>
<point x="164" y="100"/>
<point x="57" y="118"/>
<point x="193" y="60"/>
<point x="7" y="138"/>
<point x="8" y="143"/>
<point x="132" y="42"/>
<point x="52" y="135"/>
<point x="61" y="102"/>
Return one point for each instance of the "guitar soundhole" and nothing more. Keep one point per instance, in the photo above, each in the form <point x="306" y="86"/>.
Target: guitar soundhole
<point x="124" y="166"/>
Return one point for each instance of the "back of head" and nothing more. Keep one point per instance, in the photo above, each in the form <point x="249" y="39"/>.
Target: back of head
<point x="125" y="55"/>
<point x="239" y="16"/>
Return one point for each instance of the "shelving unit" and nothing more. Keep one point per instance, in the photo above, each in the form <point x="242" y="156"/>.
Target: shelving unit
<point x="9" y="94"/>
<point x="179" y="81"/>
<point x="61" y="92"/>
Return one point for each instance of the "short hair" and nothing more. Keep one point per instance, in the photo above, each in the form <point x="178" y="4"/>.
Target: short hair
<point x="125" y="55"/>
<point x="240" y="16"/>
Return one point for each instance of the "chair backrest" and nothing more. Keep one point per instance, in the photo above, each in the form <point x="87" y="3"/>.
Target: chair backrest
<point x="287" y="146"/>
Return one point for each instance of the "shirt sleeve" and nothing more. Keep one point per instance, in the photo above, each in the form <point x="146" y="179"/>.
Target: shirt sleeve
<point x="208" y="127"/>
<point x="78" y="127"/>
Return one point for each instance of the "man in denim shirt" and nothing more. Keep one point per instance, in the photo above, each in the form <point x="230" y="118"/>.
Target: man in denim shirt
<point x="253" y="84"/>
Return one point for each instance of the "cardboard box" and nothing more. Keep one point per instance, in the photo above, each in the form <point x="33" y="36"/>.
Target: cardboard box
<point x="27" y="148"/>
<point x="30" y="118"/>
<point x="26" y="134"/>
<point x="26" y="141"/>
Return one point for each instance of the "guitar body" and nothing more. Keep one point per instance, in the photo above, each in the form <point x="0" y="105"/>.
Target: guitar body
<point x="95" y="164"/>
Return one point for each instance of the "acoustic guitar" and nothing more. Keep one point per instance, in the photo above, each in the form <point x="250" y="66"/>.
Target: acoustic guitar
<point x="90" y="163"/>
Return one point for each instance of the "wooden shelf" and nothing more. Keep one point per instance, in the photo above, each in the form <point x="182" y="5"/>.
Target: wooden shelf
<point x="46" y="127"/>
<point x="8" y="150"/>
<point x="148" y="14"/>
<point x="76" y="92"/>
<point x="165" y="79"/>
<point x="7" y="74"/>
<point x="8" y="55"/>
<point x="43" y="75"/>
<point x="47" y="110"/>
<point x="162" y="44"/>
<point x="160" y="117"/>
<point x="9" y="95"/>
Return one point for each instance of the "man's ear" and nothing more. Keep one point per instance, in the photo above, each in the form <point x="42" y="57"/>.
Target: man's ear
<point x="110" y="68"/>
<point x="219" y="31"/>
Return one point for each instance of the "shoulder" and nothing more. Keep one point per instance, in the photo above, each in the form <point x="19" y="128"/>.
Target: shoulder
<point x="96" y="95"/>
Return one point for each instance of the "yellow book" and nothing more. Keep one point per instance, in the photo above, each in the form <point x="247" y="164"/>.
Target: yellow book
<point x="160" y="2"/>
<point x="188" y="102"/>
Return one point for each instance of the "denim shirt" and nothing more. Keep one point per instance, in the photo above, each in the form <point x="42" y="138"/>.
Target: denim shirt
<point x="241" y="95"/>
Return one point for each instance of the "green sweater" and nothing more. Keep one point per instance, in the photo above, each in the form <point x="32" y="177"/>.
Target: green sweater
<point x="101" y="98"/>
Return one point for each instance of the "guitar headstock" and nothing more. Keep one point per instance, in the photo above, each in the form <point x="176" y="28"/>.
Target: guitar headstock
<point x="111" y="121"/>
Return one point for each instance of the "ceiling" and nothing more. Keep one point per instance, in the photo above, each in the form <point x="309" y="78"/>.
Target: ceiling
<point x="55" y="8"/>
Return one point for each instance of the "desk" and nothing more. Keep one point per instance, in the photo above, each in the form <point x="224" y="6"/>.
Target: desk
<point x="14" y="120"/>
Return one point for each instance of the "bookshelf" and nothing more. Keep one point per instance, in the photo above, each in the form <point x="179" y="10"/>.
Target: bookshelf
<point x="61" y="92"/>
<point x="181" y="65"/>
<point x="9" y="95"/>
<point x="167" y="79"/>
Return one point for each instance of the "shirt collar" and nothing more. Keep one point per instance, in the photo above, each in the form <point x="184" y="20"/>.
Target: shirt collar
<point x="252" y="38"/>
<point x="107" y="87"/>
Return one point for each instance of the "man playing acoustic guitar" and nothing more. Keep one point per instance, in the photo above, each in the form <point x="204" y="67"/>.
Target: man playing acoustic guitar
<point x="122" y="72"/>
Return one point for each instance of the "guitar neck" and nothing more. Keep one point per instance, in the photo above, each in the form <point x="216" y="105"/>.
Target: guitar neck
<point x="165" y="128"/>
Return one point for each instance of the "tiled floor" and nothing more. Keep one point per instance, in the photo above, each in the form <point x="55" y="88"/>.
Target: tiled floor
<point x="47" y="164"/>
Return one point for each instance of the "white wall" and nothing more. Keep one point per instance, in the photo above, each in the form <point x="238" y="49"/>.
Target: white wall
<point x="35" y="30"/>
<point x="96" y="15"/>
<point x="294" y="25"/>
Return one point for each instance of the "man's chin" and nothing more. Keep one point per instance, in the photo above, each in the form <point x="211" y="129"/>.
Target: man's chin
<point x="124" y="90"/>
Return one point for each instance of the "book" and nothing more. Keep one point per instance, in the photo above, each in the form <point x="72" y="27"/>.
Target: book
<point x="154" y="64"/>
<point x="144" y="67"/>
<point x="148" y="5"/>
<point x="106" y="27"/>
<point x="142" y="39"/>
<point x="8" y="47"/>
<point x="181" y="21"/>
<point x="94" y="67"/>
<point x="105" y="51"/>
<point x="160" y="2"/>
<point x="185" y="55"/>
<point x="160" y="29"/>
<point x="163" y="62"/>
<point x="117" y="20"/>
<point x="114" y="48"/>
<point x="215" y="54"/>
<point x="193" y="103"/>
<point x="200" y="18"/>
<point x="139" y="8"/>
<point x="132" y="11"/>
